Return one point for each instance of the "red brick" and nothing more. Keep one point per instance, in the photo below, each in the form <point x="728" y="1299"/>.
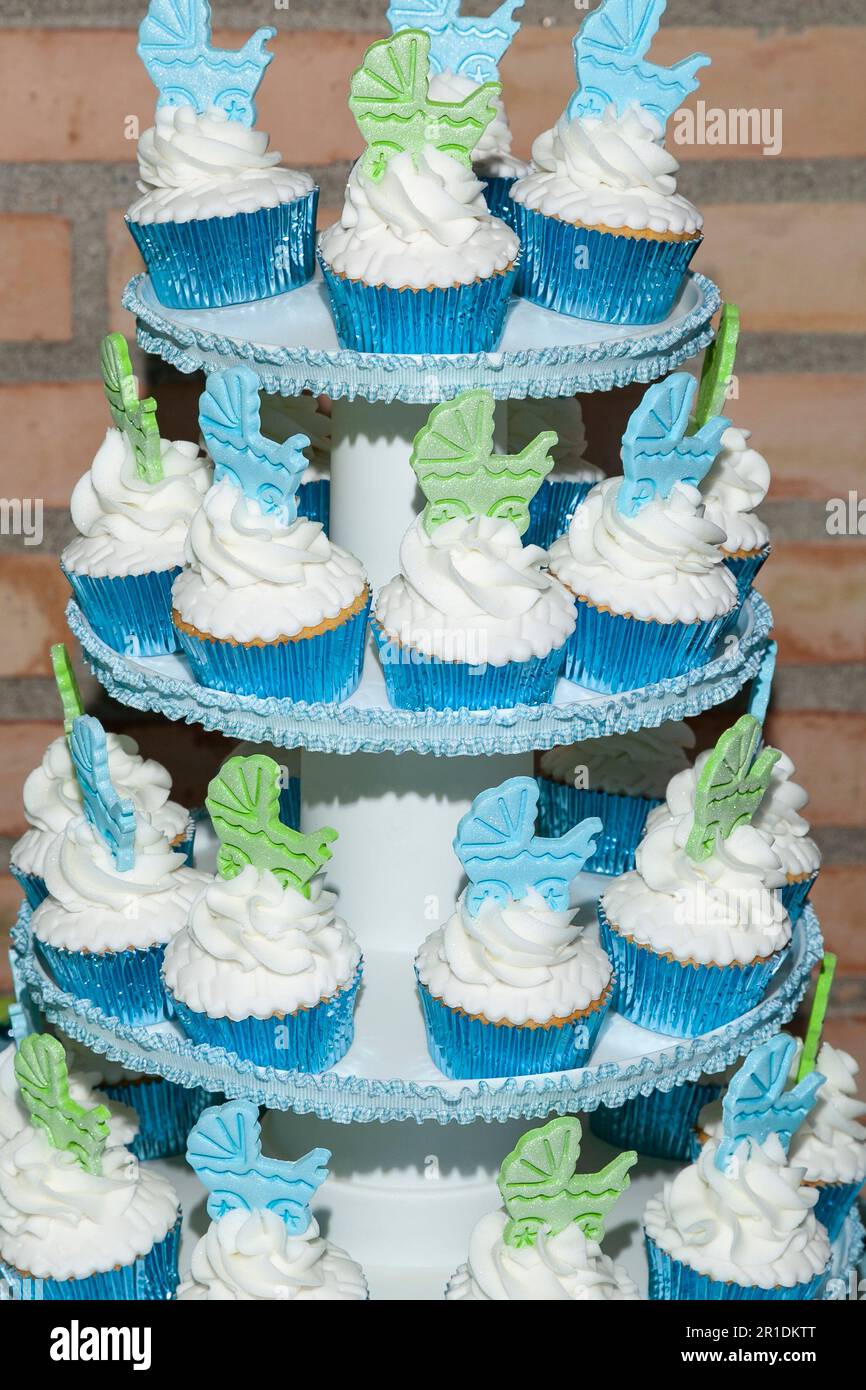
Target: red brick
<point x="816" y="594"/>
<point x="53" y="429"/>
<point x="33" y="596"/>
<point x="122" y="262"/>
<point x="839" y="895"/>
<point x="827" y="751"/>
<point x="35" y="266"/>
<point x="812" y="430"/>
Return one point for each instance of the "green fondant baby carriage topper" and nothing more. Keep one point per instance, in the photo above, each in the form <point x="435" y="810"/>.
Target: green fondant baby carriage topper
<point x="461" y="475"/>
<point x="542" y="1192"/>
<point x="731" y="786"/>
<point x="224" y="1150"/>
<point x="658" y="452"/>
<point x="174" y="44"/>
<point x="390" y="100"/>
<point x="243" y="802"/>
<point x="67" y="687"/>
<point x="609" y="52"/>
<point x="718" y="369"/>
<point x="112" y="816"/>
<point x="470" y="45"/>
<point x="758" y="1102"/>
<point x="504" y="858"/>
<point x="43" y="1080"/>
<point x="818" y="1012"/>
<point x="135" y="418"/>
<point x="230" y="422"/>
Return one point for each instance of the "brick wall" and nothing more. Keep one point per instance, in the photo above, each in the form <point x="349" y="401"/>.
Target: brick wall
<point x="785" y="238"/>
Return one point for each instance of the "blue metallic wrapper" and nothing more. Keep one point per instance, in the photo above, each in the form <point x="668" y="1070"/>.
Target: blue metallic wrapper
<point x="131" y="613"/>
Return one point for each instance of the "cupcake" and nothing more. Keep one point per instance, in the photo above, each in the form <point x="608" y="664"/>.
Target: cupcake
<point x="220" y="220"/>
<point x="473" y="620"/>
<point x="604" y="234"/>
<point x="263" y="1241"/>
<point x="697" y="929"/>
<point x="264" y="967"/>
<point x="571" y="477"/>
<point x="80" y="1218"/>
<point x="543" y="1245"/>
<point x="132" y="511"/>
<point x="284" y="416"/>
<point x="654" y="597"/>
<point x="736" y="484"/>
<point x="510" y="985"/>
<point x="619" y="778"/>
<point x="117" y="893"/>
<point x="266" y="604"/>
<point x="416" y="263"/>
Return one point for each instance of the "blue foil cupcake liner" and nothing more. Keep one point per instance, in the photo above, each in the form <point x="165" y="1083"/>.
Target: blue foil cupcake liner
<point x="551" y="511"/>
<point x="153" y="1278"/>
<point x="126" y="985"/>
<point x="314" y="502"/>
<point x="131" y="613"/>
<point x="670" y="1281"/>
<point x="744" y="569"/>
<point x="468" y="1049"/>
<point x="418" y="682"/>
<point x="660" y="1125"/>
<point x="795" y="896"/>
<point x="681" y="1000"/>
<point x="166" y="1113"/>
<point x="596" y="275"/>
<point x="290" y="803"/>
<point x="497" y="195"/>
<point x="835" y="1200"/>
<point x="212" y="261"/>
<point x="610" y="653"/>
<point x="461" y="319"/>
<point x="324" y="668"/>
<point x="623" y="817"/>
<point x="33" y="886"/>
<point x="311" y="1040"/>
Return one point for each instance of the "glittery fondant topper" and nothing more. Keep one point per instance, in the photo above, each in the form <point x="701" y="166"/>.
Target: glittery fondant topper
<point x="112" y="816"/>
<point x="756" y="1103"/>
<point x="718" y="368"/>
<point x="542" y="1192"/>
<point x="812" y="1044"/>
<point x="67" y="686"/>
<point x="174" y="43"/>
<point x="230" y="421"/>
<point x="470" y="45"/>
<point x="135" y="418"/>
<point x="504" y="858"/>
<point x="224" y="1150"/>
<point x="731" y="786"/>
<point x="762" y="685"/>
<point x="43" y="1080"/>
<point x="243" y="802"/>
<point x="461" y="475"/>
<point x="657" y="450"/>
<point x="609" y="51"/>
<point x="391" y="103"/>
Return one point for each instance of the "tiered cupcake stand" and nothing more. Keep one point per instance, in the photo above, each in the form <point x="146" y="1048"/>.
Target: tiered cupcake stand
<point x="404" y="1197"/>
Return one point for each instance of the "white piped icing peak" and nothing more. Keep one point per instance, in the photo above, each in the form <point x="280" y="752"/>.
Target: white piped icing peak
<point x="127" y="526"/>
<point x="737" y="483"/>
<point x="555" y="1269"/>
<point x="250" y="1255"/>
<point x="632" y="764"/>
<point x="530" y="418"/>
<point x="83" y="1088"/>
<point x="492" y="157"/>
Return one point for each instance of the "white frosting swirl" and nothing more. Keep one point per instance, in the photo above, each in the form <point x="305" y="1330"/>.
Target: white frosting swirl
<point x="566" y="1266"/>
<point x="83" y="1088"/>
<point x="250" y="576"/>
<point x="752" y="1225"/>
<point x="492" y="157"/>
<point x="632" y="764"/>
<point x="93" y="906"/>
<point x="737" y="483"/>
<point x="473" y="592"/>
<point x="127" y="526"/>
<point x="198" y="165"/>
<point x="518" y="963"/>
<point x="530" y="418"/>
<point x="250" y="1255"/>
<point x="664" y="564"/>
<point x="254" y="949"/>
<point x="609" y="171"/>
<point x="59" y="1222"/>
<point x="423" y="226"/>
<point x="52" y="797"/>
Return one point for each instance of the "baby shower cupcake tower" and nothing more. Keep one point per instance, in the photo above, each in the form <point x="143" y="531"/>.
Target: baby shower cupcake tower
<point x="394" y="771"/>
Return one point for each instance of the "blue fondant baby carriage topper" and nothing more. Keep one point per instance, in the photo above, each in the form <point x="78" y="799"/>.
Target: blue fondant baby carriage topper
<point x="112" y="816"/>
<point x="470" y="45"/>
<point x="609" y="52"/>
<point x="504" y="858"/>
<point x="174" y="44"/>
<point x="224" y="1150"/>
<point x="657" y="449"/>
<point x="757" y="1103"/>
<point x="264" y="471"/>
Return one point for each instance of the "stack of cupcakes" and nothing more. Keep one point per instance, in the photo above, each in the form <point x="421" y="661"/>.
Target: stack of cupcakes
<point x="510" y="985"/>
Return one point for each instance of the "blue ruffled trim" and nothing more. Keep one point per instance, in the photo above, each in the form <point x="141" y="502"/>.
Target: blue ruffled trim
<point x="623" y="818"/>
<point x="672" y="1281"/>
<point x="131" y="613"/>
<point x="658" y="1125"/>
<point x="153" y="1278"/>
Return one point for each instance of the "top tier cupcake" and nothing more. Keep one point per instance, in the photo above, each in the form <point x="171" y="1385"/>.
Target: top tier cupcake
<point x="416" y="263"/>
<point x="604" y="233"/>
<point x="220" y="221"/>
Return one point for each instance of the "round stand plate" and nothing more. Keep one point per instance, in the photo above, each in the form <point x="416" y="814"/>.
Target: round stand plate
<point x="291" y="343"/>
<point x="367" y="723"/>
